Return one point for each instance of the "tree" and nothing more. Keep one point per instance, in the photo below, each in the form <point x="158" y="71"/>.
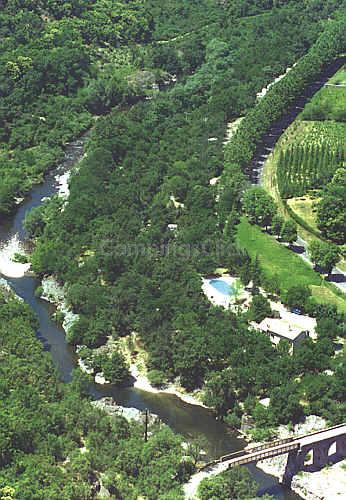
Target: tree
<point x="255" y="274"/>
<point x="313" y="357"/>
<point x="220" y="392"/>
<point x="260" y="308"/>
<point x="259" y="206"/>
<point x="288" y="231"/>
<point x="235" y="483"/>
<point x="195" y="449"/>
<point x="327" y="328"/>
<point x="33" y="222"/>
<point x="324" y="255"/>
<point x="277" y="223"/>
<point x="297" y="297"/>
<point x="331" y="213"/>
<point x="285" y="404"/>
<point x="114" y="367"/>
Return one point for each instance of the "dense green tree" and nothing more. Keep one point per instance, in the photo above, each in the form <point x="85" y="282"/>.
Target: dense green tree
<point x="298" y="296"/>
<point x="327" y="328"/>
<point x="115" y="368"/>
<point x="219" y="392"/>
<point x="259" y="206"/>
<point x="331" y="208"/>
<point x="288" y="231"/>
<point x="324" y="255"/>
<point x="277" y="224"/>
<point x="285" y="404"/>
<point x="260" y="308"/>
<point x="235" y="483"/>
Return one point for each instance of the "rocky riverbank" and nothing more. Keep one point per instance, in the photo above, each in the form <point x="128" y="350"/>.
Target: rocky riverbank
<point x="131" y="414"/>
<point x="54" y="293"/>
<point x="142" y="382"/>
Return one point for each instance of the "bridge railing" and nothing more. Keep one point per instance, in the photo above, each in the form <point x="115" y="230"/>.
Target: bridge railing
<point x="246" y="451"/>
<point x="255" y="449"/>
<point x="268" y="453"/>
<point x="321" y="431"/>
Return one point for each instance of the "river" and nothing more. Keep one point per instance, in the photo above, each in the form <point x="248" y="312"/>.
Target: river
<point x="189" y="420"/>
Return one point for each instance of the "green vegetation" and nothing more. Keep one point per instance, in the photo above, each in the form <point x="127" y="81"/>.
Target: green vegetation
<point x="55" y="444"/>
<point x="339" y="78"/>
<point x="126" y="271"/>
<point x="259" y="206"/>
<point x="281" y="265"/>
<point x="150" y="157"/>
<point x="275" y="259"/>
<point x="260" y="308"/>
<point x="235" y="483"/>
<point x="297" y="296"/>
<point x="331" y="213"/>
<point x="241" y="149"/>
<point x="305" y="209"/>
<point x="129" y="189"/>
<point x="52" y="59"/>
<point x="306" y="159"/>
<point x="324" y="255"/>
<point x="302" y="168"/>
<point x="329" y="102"/>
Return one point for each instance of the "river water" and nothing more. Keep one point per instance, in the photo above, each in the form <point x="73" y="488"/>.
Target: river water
<point x="189" y="420"/>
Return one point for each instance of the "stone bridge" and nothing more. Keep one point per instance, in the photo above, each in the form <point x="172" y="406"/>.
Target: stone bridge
<point x="315" y="451"/>
<point x="308" y="453"/>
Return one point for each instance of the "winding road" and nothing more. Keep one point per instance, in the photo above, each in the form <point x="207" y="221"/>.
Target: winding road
<point x="255" y="172"/>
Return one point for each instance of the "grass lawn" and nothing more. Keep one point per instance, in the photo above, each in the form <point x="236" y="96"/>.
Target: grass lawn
<point x="304" y="208"/>
<point x="301" y="132"/>
<point x="340" y="77"/>
<point x="275" y="259"/>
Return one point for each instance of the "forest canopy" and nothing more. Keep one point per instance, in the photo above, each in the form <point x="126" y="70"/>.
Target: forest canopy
<point x="155" y="84"/>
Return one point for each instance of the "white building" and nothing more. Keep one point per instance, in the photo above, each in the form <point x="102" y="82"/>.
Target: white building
<point x="280" y="329"/>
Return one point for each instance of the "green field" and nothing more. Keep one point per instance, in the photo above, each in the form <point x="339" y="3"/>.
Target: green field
<point x="289" y="268"/>
<point x="306" y="156"/>
<point x="329" y="102"/>
<point x="340" y="77"/>
<point x="304" y="207"/>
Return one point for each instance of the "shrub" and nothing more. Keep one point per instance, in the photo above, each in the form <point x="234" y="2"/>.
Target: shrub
<point x="39" y="291"/>
<point x="297" y="297"/>
<point x="156" y="378"/>
<point x="21" y="258"/>
<point x="260" y="308"/>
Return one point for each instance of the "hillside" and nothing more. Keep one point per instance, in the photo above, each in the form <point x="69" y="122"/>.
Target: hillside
<point x="156" y="203"/>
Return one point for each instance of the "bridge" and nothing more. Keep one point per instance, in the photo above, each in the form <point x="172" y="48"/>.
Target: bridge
<point x="307" y="453"/>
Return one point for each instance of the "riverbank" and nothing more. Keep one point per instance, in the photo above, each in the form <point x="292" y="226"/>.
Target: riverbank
<point x="8" y="266"/>
<point x="53" y="293"/>
<point x="142" y="382"/>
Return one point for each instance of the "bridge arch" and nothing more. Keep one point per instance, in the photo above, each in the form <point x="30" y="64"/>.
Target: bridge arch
<point x="332" y="451"/>
<point x="308" y="458"/>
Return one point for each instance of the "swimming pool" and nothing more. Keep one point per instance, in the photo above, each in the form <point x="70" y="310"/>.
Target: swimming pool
<point x="222" y="286"/>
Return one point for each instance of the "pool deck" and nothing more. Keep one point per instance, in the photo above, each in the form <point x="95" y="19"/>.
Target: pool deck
<point x="218" y="298"/>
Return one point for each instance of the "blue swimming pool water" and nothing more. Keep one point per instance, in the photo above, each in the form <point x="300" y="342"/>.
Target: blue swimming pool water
<point x="222" y="286"/>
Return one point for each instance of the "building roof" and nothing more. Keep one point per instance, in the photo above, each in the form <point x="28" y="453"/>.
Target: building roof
<point x="281" y="327"/>
<point x="299" y="320"/>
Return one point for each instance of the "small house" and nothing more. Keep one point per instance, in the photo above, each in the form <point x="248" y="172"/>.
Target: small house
<point x="279" y="328"/>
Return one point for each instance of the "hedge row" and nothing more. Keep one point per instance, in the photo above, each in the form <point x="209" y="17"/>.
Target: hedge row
<point x="240" y="151"/>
